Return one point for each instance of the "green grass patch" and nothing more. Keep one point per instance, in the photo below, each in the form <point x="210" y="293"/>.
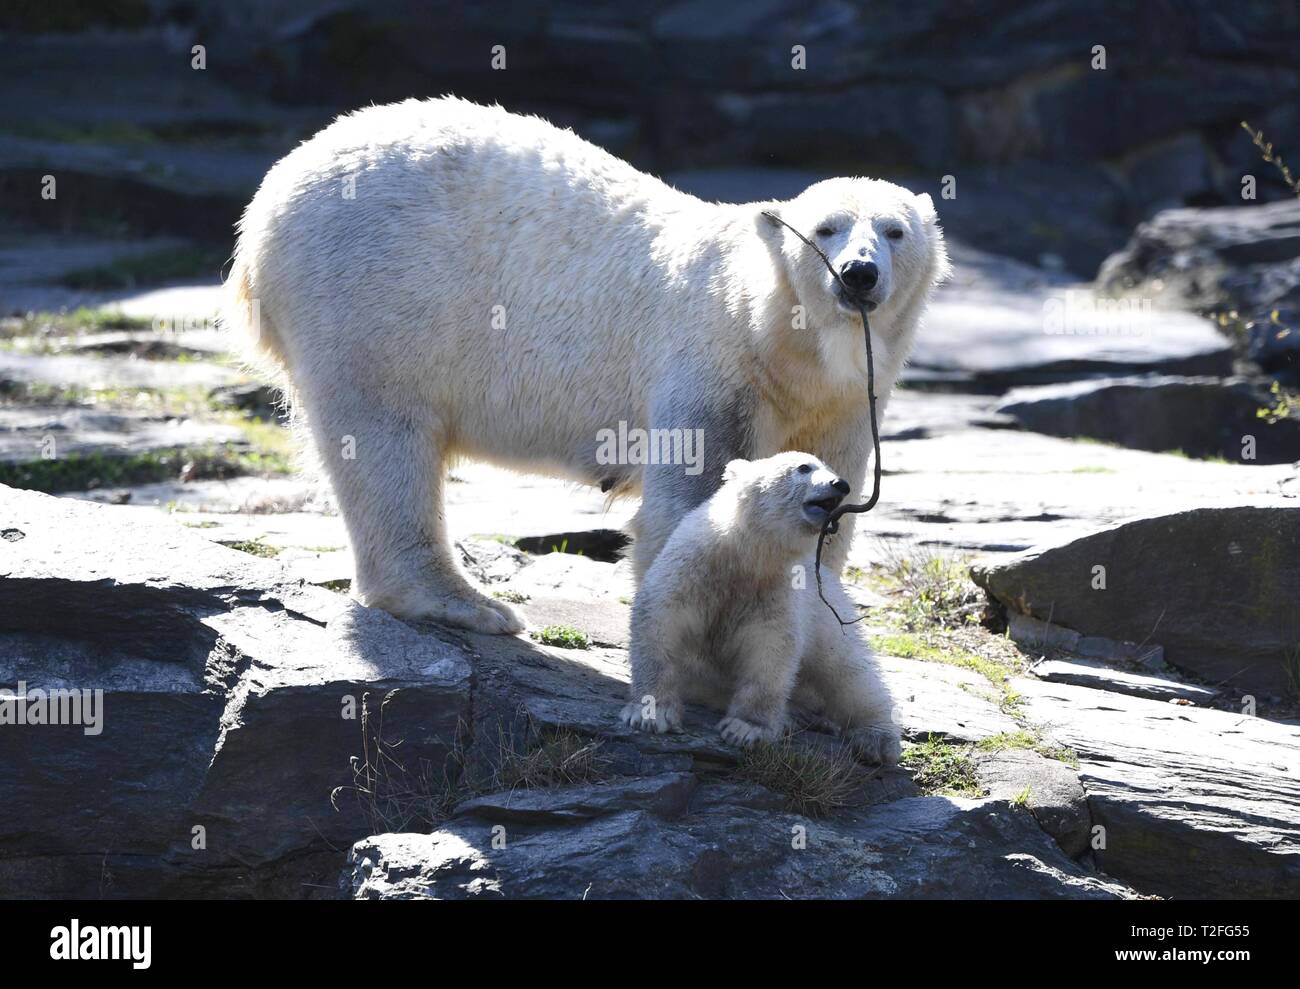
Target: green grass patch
<point x="1029" y="741"/>
<point x="562" y="637"/>
<point x="912" y="646"/>
<point x="70" y="323"/>
<point x="254" y="547"/>
<point x="941" y="768"/>
<point x="510" y="597"/>
<point x="176" y="403"/>
<point x="90" y="471"/>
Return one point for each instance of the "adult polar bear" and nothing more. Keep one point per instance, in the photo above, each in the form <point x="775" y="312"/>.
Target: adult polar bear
<point x="443" y="279"/>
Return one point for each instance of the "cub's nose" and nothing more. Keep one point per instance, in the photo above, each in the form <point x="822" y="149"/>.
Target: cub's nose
<point x="860" y="276"/>
<point x="840" y="485"/>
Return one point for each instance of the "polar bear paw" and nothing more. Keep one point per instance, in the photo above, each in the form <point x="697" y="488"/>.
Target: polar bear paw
<point x="744" y="734"/>
<point x="667" y="716"/>
<point x="876" y="745"/>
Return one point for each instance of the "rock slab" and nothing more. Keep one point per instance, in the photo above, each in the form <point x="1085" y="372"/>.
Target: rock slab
<point x="1217" y="587"/>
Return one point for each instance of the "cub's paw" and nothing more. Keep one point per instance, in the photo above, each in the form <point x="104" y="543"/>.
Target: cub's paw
<point x="742" y="733"/>
<point x="875" y="744"/>
<point x="651" y="716"/>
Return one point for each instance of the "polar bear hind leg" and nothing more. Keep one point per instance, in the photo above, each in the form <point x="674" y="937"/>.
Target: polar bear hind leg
<point x="840" y="683"/>
<point x="388" y="470"/>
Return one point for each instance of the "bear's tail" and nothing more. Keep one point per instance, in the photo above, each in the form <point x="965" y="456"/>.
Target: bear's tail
<point x="243" y="316"/>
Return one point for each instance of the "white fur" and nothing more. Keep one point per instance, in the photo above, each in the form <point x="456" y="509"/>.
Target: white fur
<point x="622" y="299"/>
<point x="728" y="616"/>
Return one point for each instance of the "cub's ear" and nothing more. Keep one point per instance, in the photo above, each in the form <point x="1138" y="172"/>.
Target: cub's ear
<point x="734" y="469"/>
<point x="925" y="208"/>
<point x="769" y="219"/>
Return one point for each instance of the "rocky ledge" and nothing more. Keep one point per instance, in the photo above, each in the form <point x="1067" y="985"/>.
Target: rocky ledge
<point x="255" y="735"/>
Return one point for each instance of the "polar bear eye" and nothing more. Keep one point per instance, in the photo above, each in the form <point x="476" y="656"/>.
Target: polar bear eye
<point x="805" y="468"/>
<point x="825" y="231"/>
<point x="895" y="233"/>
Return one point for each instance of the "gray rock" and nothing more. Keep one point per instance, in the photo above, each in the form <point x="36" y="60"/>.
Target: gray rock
<point x="1215" y="586"/>
<point x="674" y="838"/>
<point x="992" y="339"/>
<point x="66" y="370"/>
<point x="946" y="701"/>
<point x="225" y="701"/>
<point x="1202" y="417"/>
<point x="1193" y="802"/>
<point x="1240" y="258"/>
<point x="1101" y="676"/>
<point x="259" y="400"/>
<point x="1028" y="631"/>
<point x="27" y="433"/>
<point x="226" y="683"/>
<point x="1049" y="788"/>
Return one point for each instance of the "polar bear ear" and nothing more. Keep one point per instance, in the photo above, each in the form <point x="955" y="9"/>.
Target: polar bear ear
<point x="925" y="208"/>
<point x="734" y="469"/>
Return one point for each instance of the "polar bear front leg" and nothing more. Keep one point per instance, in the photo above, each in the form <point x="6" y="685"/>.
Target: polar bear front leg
<point x="387" y="469"/>
<point x="766" y="664"/>
<point x="654" y="696"/>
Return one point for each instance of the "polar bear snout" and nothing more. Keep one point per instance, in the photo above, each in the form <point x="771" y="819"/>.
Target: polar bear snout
<point x="860" y="276"/>
<point x="859" y="284"/>
<point x="824" y="498"/>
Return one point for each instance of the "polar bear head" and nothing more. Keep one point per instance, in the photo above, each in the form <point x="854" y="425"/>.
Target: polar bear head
<point x="883" y="241"/>
<point x="782" y="499"/>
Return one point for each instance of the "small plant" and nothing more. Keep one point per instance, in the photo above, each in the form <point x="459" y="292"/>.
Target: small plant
<point x="559" y="757"/>
<point x="1291" y="664"/>
<point x="254" y="547"/>
<point x="509" y="596"/>
<point x="396" y="797"/>
<point x="562" y="637"/>
<point x="813" y="782"/>
<point x="1285" y="405"/>
<point x="941" y="768"/>
<point x="936" y="590"/>
<point x="1269" y="155"/>
<point x="1021" y="799"/>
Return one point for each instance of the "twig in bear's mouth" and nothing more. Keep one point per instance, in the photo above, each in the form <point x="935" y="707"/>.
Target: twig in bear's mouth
<point x="831" y="525"/>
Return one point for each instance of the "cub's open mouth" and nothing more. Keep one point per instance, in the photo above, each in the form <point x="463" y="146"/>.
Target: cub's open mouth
<point x="819" y="508"/>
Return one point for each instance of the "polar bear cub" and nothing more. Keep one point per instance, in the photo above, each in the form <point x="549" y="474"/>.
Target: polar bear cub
<point x="728" y="616"/>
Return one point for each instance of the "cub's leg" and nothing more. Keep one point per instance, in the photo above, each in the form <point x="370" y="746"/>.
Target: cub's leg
<point x="659" y="674"/>
<point x="387" y="468"/>
<point x="767" y="661"/>
<point x="839" y="679"/>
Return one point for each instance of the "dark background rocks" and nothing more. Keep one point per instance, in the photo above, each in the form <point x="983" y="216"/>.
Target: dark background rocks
<point x="1052" y="158"/>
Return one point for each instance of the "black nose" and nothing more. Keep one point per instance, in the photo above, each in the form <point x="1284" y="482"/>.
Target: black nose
<point x="840" y="485"/>
<point x="860" y="276"/>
